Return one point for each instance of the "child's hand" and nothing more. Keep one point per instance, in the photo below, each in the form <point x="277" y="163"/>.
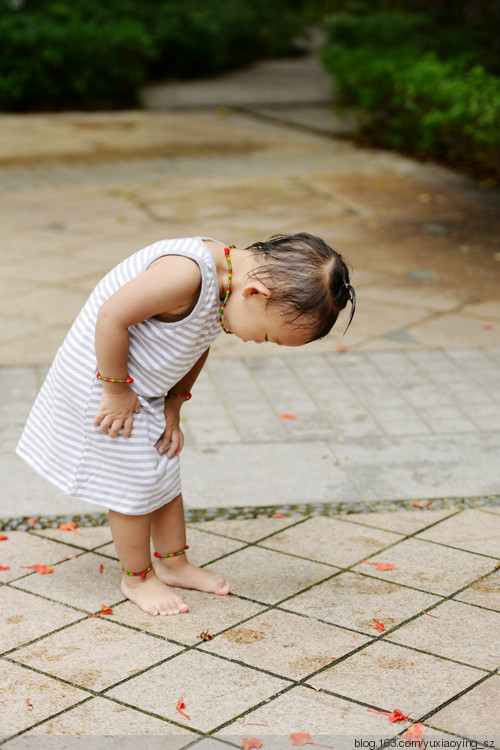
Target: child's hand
<point x="172" y="437"/>
<point x="116" y="410"/>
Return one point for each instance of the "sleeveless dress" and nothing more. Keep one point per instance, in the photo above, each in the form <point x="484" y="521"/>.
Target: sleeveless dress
<point x="59" y="440"/>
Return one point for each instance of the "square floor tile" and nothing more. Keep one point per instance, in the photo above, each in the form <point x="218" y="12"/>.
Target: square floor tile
<point x="23" y="548"/>
<point x="246" y="530"/>
<point x="326" y="718"/>
<point x="95" y="653"/>
<point x="207" y="613"/>
<point x="103" y="720"/>
<point x="331" y="541"/>
<point x="269" y="576"/>
<point x="24" y="617"/>
<point x="87" y="537"/>
<point x="428" y="566"/>
<point x="79" y="582"/>
<point x="401" y="521"/>
<point x="388" y="676"/>
<point x="353" y="601"/>
<point x="457" y="631"/>
<point x="471" y="530"/>
<point x="286" y="644"/>
<point x="485" y="593"/>
<point x="214" y="690"/>
<point x="46" y="696"/>
<point x="203" y="547"/>
<point x="474" y="714"/>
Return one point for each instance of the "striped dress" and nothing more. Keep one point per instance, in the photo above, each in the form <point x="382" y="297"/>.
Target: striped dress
<point x="59" y="440"/>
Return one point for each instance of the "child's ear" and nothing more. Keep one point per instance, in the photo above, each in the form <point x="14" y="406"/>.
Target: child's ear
<point x="254" y="286"/>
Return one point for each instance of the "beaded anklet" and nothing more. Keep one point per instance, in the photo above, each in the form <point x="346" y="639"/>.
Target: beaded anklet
<point x="172" y="554"/>
<point x="186" y="395"/>
<point x="142" y="574"/>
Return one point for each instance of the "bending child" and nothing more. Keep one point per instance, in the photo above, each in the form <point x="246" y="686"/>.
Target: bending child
<point x="105" y="426"/>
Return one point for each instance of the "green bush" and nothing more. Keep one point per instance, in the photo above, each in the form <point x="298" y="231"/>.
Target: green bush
<point x="445" y="109"/>
<point x="86" y="54"/>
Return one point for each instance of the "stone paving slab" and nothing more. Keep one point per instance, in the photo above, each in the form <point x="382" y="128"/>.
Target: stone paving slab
<point x="294" y="649"/>
<point x="369" y="427"/>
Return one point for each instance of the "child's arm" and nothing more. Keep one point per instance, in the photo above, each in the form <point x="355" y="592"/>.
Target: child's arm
<point x="173" y="433"/>
<point x="170" y="286"/>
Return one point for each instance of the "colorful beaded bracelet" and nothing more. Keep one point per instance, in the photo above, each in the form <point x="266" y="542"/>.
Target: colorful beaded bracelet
<point x="186" y="395"/>
<point x="128" y="379"/>
<point x="142" y="574"/>
<point x="172" y="554"/>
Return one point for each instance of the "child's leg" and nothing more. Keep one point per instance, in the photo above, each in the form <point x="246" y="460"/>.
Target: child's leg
<point x="168" y="533"/>
<point x="131" y="535"/>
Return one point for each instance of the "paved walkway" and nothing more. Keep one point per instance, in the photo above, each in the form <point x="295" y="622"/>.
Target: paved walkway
<point x="391" y="456"/>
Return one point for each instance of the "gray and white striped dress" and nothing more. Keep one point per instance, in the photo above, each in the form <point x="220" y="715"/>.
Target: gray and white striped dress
<point x="59" y="440"/>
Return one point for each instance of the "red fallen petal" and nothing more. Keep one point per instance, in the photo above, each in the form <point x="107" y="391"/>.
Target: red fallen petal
<point x="249" y="742"/>
<point x="429" y="615"/>
<point x="101" y="568"/>
<point x="105" y="611"/>
<point x="341" y="348"/>
<point x="29" y="703"/>
<point x="415" y="732"/>
<point x="32" y="522"/>
<point x="180" y="705"/>
<point x="4" y="567"/>
<point x="3" y="537"/>
<point x="394" y="716"/>
<point x="42" y="569"/>
<point x="70" y="526"/>
<point x="288" y="415"/>
<point x="298" y="739"/>
<point x="277" y="515"/>
<point x="379" y="625"/>
<point x="416" y="504"/>
<point x="380" y="565"/>
<point x="487" y="326"/>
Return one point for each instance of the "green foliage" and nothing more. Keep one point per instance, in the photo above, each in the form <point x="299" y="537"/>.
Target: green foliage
<point x="446" y="109"/>
<point x="87" y="54"/>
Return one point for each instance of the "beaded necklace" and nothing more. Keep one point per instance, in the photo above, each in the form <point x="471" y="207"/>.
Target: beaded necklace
<point x="228" y="288"/>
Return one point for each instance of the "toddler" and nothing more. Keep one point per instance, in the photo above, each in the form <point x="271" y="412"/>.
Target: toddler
<point x="105" y="426"/>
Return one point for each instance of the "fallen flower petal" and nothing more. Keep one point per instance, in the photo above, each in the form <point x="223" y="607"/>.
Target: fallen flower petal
<point x="29" y="703"/>
<point x="487" y="326"/>
<point x="4" y="567"/>
<point x="205" y="636"/>
<point x="277" y="515"/>
<point x="379" y="626"/>
<point x="3" y="537"/>
<point x="32" y="522"/>
<point x="105" y="611"/>
<point x="180" y="706"/>
<point x="380" y="565"/>
<point x="416" y="504"/>
<point x="70" y="526"/>
<point x="429" y="615"/>
<point x="101" y="568"/>
<point x="415" y="733"/>
<point x="249" y="742"/>
<point x="41" y="569"/>
<point x="298" y="739"/>
<point x="289" y="415"/>
<point x="393" y="716"/>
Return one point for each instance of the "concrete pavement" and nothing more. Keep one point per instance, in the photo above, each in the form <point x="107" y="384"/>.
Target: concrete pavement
<point x="390" y="456"/>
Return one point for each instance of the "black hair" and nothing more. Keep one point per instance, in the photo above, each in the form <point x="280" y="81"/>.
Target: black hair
<point x="306" y="278"/>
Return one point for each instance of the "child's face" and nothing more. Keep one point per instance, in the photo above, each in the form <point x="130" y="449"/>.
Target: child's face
<point x="251" y="318"/>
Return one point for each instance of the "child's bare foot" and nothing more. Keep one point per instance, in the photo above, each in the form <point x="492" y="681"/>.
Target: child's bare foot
<point x="152" y="596"/>
<point x="177" y="571"/>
